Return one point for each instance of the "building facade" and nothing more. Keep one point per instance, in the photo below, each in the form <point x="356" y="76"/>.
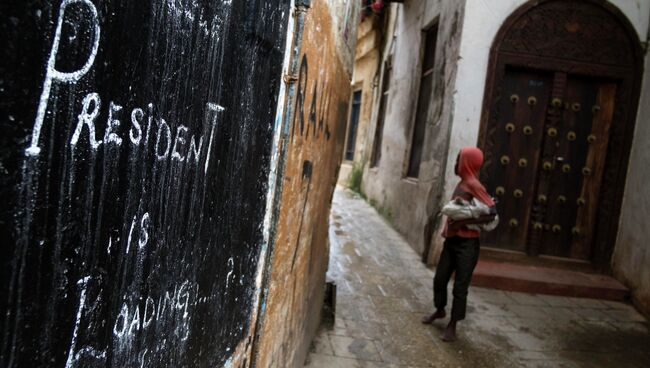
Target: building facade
<point x="370" y="43"/>
<point x="552" y="91"/>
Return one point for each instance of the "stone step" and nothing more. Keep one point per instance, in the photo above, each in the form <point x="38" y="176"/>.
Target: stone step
<point x="546" y="280"/>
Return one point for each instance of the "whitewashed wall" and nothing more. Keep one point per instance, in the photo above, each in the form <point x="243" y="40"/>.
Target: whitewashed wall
<point x="631" y="260"/>
<point x="483" y="19"/>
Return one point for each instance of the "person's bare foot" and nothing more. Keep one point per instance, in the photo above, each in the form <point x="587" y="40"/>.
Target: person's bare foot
<point x="440" y="313"/>
<point x="450" y="332"/>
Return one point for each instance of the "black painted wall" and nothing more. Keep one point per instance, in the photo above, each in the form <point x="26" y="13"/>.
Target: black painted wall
<point x="136" y="245"/>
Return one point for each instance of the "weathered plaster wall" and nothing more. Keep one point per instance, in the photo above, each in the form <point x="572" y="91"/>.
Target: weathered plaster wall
<point x="632" y="252"/>
<point x="483" y="19"/>
<point x="410" y="202"/>
<point x="135" y="139"/>
<point x="313" y="136"/>
<point x="364" y="77"/>
<point x="345" y="23"/>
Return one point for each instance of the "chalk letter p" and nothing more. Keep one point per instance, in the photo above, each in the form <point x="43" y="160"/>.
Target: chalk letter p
<point x="51" y="74"/>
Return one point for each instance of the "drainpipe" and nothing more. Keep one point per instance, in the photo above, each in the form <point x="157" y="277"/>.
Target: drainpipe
<point x="302" y="6"/>
<point x="284" y="116"/>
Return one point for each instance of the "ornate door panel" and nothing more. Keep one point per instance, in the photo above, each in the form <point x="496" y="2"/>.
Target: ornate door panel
<point x="574" y="149"/>
<point x="544" y="161"/>
<point x="512" y="159"/>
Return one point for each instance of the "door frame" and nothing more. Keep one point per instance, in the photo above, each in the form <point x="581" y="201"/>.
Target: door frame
<point x="628" y="78"/>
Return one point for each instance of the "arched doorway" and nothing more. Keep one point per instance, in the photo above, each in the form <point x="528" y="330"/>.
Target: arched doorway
<point x="557" y="125"/>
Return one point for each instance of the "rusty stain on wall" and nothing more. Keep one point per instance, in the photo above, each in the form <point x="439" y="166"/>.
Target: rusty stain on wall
<point x="314" y="142"/>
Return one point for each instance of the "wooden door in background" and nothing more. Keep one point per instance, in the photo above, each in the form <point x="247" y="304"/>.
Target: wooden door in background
<point x="545" y="157"/>
<point x="512" y="154"/>
<point x="573" y="156"/>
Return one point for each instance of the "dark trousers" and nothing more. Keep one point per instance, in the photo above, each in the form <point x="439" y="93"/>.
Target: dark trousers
<point x="458" y="255"/>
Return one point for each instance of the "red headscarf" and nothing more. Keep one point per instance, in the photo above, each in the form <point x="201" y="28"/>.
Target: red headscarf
<point x="470" y="160"/>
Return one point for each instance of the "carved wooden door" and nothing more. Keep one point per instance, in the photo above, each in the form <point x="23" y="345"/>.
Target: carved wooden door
<point x="512" y="157"/>
<point x="571" y="55"/>
<point x="573" y="156"/>
<point x="544" y="161"/>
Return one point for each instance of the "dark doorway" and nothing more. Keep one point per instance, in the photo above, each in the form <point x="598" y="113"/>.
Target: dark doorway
<point x="381" y="115"/>
<point x="353" y="125"/>
<point x="424" y="97"/>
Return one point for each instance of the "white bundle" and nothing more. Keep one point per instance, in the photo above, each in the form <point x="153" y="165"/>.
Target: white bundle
<point x="459" y="209"/>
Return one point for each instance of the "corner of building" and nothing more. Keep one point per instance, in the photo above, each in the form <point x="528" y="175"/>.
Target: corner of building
<point x="632" y="251"/>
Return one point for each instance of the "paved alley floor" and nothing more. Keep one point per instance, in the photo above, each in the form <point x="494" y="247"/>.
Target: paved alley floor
<point x="384" y="289"/>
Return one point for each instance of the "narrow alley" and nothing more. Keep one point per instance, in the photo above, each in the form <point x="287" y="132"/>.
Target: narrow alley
<point x="264" y="183"/>
<point x="383" y="289"/>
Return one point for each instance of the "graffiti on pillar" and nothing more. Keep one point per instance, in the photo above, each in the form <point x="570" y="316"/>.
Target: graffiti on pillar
<point x="311" y="123"/>
<point x="135" y="141"/>
<point x="315" y="117"/>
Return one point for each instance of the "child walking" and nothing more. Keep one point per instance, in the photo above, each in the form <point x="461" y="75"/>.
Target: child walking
<point x="470" y="210"/>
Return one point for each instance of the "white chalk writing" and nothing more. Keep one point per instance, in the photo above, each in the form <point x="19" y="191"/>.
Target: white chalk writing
<point x="52" y="74"/>
<point x="112" y="125"/>
<point x="72" y="356"/>
<point x="136" y="115"/>
<point x="170" y="307"/>
<point x="179" y="139"/>
<point x="88" y="119"/>
<point x="168" y="135"/>
<point x="144" y="232"/>
<point x="214" y="108"/>
<point x="91" y="106"/>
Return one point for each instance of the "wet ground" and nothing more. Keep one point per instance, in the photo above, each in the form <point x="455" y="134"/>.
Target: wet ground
<point x="384" y="289"/>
